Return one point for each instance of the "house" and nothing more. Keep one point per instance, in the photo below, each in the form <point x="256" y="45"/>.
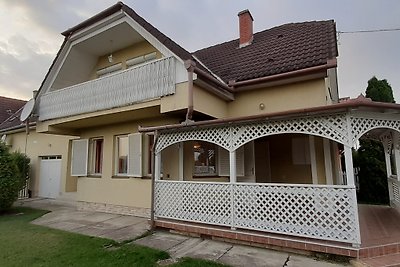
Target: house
<point x="47" y="153"/>
<point x="242" y="140"/>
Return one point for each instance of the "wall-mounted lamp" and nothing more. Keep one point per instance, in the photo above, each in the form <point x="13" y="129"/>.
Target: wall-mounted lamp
<point x="261" y="106"/>
<point x="110" y="57"/>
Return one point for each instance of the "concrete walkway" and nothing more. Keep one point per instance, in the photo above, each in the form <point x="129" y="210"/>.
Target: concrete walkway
<point x="123" y="227"/>
<point x="68" y="218"/>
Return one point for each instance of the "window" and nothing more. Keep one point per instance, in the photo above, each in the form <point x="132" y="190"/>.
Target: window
<point x="204" y="158"/>
<point x="109" y="70"/>
<point x="128" y="155"/>
<point x="141" y="59"/>
<point x="96" y="156"/>
<point x="122" y="150"/>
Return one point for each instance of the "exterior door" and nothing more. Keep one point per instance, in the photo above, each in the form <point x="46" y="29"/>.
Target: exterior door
<point x="50" y="176"/>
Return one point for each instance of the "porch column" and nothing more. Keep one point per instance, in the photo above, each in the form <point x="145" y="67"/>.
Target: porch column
<point x="338" y="165"/>
<point x="232" y="181"/>
<point x="396" y="149"/>
<point x="232" y="166"/>
<point x="157" y="166"/>
<point x="180" y="161"/>
<point x="348" y="156"/>
<point x="328" y="161"/>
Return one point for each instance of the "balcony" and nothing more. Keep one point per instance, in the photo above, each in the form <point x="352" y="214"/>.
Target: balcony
<point x="145" y="82"/>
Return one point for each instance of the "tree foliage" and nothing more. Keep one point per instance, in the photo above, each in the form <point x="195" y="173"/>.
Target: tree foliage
<point x="370" y="156"/>
<point x="379" y="90"/>
<point x="14" y="170"/>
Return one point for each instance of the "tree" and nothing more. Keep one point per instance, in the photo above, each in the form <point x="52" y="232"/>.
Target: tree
<point x="370" y="156"/>
<point x="379" y="90"/>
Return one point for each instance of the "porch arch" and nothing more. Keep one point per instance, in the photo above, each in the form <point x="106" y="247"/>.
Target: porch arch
<point x="233" y="136"/>
<point x="360" y="125"/>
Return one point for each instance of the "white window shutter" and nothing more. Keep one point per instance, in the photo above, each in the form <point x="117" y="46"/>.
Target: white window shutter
<point x="79" y="157"/>
<point x="223" y="161"/>
<point x="135" y="155"/>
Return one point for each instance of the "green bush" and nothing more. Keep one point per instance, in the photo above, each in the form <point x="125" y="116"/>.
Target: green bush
<point x="14" y="170"/>
<point x="22" y="163"/>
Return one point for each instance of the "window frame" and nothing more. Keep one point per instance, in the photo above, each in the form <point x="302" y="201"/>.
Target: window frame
<point x="95" y="158"/>
<point x="205" y="174"/>
<point x="117" y="156"/>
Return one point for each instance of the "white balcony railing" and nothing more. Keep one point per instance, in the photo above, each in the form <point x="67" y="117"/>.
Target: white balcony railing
<point x="311" y="211"/>
<point x="152" y="80"/>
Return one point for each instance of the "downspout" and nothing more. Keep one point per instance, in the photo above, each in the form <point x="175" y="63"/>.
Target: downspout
<point x="190" y="65"/>
<point x="153" y="177"/>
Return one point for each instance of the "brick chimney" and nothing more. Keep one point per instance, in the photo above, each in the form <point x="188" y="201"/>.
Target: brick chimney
<point x="245" y="28"/>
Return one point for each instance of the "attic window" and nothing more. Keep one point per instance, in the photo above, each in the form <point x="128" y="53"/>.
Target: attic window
<point x="109" y="70"/>
<point x="141" y="59"/>
<point x="280" y="36"/>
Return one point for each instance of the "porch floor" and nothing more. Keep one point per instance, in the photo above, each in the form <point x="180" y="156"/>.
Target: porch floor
<point x="379" y="225"/>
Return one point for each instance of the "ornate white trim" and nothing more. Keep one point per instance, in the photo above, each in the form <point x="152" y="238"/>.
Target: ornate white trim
<point x="345" y="128"/>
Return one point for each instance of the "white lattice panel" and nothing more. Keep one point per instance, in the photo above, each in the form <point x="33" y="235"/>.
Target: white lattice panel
<point x="218" y="135"/>
<point x="327" y="213"/>
<point x="396" y="190"/>
<point x="332" y="127"/>
<point x="232" y="137"/>
<point x="196" y="202"/>
<point x="361" y="125"/>
<point x="152" y="80"/>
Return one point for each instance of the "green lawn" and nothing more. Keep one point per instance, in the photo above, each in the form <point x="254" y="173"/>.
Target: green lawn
<point x="25" y="244"/>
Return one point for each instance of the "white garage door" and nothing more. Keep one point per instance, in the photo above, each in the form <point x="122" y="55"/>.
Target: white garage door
<point x="50" y="176"/>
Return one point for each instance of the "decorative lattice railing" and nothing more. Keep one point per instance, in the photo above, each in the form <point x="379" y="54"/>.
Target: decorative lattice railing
<point x="312" y="211"/>
<point x="345" y="128"/>
<point x="149" y="81"/>
<point x="394" y="187"/>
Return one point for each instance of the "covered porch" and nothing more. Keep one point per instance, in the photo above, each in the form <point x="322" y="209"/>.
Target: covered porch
<point x="315" y="216"/>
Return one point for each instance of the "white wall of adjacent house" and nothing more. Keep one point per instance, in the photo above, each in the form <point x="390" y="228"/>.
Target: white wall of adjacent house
<point x="45" y="150"/>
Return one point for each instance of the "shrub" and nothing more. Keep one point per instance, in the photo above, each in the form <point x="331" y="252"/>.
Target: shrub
<point x="22" y="163"/>
<point x="14" y="170"/>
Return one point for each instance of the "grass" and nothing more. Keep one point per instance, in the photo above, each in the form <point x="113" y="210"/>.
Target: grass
<point x="25" y="244"/>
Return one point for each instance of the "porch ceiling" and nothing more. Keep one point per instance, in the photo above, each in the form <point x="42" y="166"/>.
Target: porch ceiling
<point x="111" y="40"/>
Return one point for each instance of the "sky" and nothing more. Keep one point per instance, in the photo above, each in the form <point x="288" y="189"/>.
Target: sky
<point x="30" y="33"/>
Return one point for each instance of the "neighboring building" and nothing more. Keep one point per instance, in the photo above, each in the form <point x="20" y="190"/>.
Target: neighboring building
<point x="247" y="134"/>
<point x="47" y="153"/>
<point x="8" y="106"/>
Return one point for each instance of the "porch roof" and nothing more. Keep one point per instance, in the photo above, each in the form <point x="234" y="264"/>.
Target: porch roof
<point x="360" y="103"/>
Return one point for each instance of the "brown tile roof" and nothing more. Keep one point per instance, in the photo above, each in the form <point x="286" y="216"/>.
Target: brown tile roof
<point x="277" y="50"/>
<point x="9" y="106"/>
<point x="12" y="122"/>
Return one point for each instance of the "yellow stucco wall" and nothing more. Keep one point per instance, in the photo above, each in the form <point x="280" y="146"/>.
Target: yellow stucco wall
<point x="279" y="98"/>
<point x="110" y="188"/>
<point x="177" y="101"/>
<point x="38" y="145"/>
<point x="208" y="103"/>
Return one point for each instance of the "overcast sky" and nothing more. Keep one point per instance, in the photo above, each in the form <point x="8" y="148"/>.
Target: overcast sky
<point x="30" y="33"/>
